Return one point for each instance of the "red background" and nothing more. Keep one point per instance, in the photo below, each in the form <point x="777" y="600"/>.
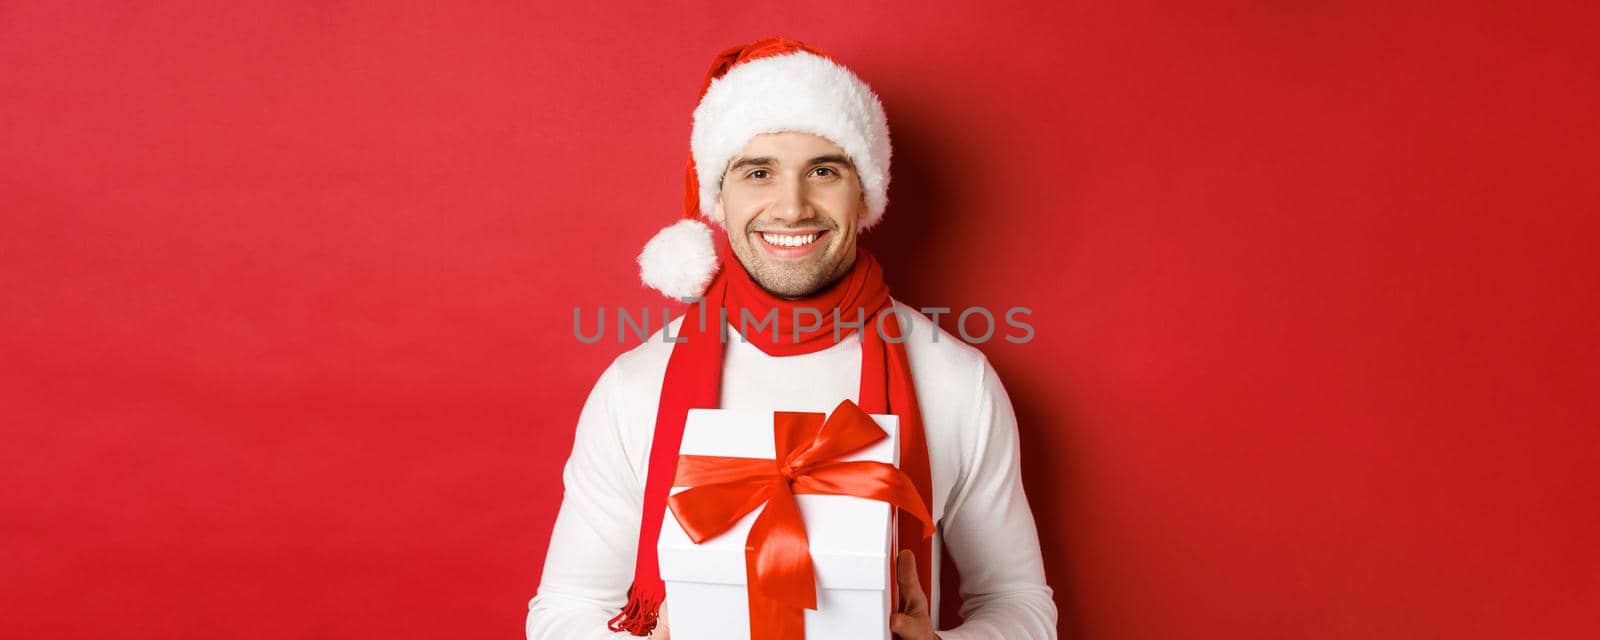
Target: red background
<point x="287" y="299"/>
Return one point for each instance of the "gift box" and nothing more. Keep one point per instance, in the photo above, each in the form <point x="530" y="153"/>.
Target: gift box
<point x="850" y="539"/>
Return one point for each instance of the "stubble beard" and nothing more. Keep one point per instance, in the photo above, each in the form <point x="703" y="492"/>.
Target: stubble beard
<point x="793" y="279"/>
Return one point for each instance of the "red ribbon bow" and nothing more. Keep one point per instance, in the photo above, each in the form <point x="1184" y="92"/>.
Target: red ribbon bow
<point x="780" y="581"/>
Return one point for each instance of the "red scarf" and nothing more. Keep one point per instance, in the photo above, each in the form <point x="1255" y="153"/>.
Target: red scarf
<point x="694" y="376"/>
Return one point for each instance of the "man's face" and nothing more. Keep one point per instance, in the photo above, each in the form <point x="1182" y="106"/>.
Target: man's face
<point x="790" y="202"/>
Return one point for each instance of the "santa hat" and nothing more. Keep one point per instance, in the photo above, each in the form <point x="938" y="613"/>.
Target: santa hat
<point x="772" y="84"/>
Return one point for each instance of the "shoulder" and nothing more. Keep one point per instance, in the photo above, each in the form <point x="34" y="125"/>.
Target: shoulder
<point x="634" y="377"/>
<point x="950" y="374"/>
<point x="646" y="361"/>
<point x="630" y="388"/>
<point x="931" y="347"/>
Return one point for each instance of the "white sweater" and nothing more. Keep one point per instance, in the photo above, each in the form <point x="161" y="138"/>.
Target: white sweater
<point x="971" y="430"/>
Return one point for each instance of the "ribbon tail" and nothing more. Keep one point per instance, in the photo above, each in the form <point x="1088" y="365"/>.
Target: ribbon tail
<point x="639" y="616"/>
<point x="778" y="555"/>
<point x="774" y="620"/>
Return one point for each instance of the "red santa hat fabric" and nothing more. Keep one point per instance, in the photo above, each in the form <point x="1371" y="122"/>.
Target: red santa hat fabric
<point x="773" y="84"/>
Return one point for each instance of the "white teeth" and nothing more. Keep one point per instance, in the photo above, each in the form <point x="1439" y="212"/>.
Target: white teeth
<point x="789" y="241"/>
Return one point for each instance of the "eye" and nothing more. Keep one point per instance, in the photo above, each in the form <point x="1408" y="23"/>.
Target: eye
<point x="758" y="174"/>
<point x="825" y="171"/>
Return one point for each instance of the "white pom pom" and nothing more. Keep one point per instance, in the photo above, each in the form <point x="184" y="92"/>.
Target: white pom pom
<point x="680" y="260"/>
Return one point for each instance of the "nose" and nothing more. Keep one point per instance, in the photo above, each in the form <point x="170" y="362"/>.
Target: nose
<point x="793" y="204"/>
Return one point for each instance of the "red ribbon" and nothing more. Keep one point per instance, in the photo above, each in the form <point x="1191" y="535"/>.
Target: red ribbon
<point x="779" y="577"/>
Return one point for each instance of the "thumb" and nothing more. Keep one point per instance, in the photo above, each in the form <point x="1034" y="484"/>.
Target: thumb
<point x="661" y="631"/>
<point x="900" y="625"/>
<point x="910" y="583"/>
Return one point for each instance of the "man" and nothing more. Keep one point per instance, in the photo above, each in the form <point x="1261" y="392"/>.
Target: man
<point x="790" y="157"/>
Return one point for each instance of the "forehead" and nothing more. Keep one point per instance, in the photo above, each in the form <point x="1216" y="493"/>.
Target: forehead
<point x="789" y="145"/>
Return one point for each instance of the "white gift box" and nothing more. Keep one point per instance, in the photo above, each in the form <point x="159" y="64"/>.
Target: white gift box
<point x="852" y="541"/>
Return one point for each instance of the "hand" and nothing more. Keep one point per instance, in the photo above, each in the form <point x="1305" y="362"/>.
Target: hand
<point x="661" y="632"/>
<point x="912" y="622"/>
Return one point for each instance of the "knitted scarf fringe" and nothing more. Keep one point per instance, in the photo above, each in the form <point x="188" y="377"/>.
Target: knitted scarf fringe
<point x="639" y="616"/>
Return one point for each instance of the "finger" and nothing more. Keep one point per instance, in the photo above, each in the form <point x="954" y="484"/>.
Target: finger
<point x="903" y="580"/>
<point x="900" y="624"/>
<point x="906" y="569"/>
<point x="661" y="632"/>
<point x="910" y="583"/>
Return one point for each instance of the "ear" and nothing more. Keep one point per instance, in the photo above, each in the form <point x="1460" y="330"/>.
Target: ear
<point x="718" y="214"/>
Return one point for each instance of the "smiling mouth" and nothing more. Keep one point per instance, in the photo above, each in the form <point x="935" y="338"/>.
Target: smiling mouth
<point x="790" y="239"/>
<point x="789" y="244"/>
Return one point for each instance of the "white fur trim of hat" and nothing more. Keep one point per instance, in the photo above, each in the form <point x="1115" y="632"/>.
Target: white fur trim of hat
<point x="802" y="92"/>
<point x="799" y="91"/>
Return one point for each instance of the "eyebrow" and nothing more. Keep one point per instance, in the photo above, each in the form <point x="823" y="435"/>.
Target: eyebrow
<point x="765" y="161"/>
